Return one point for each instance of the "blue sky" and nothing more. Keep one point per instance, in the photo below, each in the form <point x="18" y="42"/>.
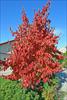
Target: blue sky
<point x="10" y="16"/>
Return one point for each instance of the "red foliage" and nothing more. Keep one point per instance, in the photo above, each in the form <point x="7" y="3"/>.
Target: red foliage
<point x="34" y="55"/>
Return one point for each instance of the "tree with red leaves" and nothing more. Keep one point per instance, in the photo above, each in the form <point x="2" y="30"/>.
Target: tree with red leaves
<point x="34" y="55"/>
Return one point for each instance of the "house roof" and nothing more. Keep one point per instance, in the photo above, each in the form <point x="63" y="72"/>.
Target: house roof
<point x="6" y="42"/>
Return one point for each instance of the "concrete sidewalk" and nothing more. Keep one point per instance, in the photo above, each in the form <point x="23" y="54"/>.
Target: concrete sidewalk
<point x="7" y="72"/>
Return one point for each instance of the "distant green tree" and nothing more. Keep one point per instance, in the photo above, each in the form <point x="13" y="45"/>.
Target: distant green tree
<point x="65" y="59"/>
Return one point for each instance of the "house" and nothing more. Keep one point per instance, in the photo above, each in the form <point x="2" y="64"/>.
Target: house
<point x="5" y="48"/>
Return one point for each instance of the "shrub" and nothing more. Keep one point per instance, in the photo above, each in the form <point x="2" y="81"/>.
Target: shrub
<point x="65" y="60"/>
